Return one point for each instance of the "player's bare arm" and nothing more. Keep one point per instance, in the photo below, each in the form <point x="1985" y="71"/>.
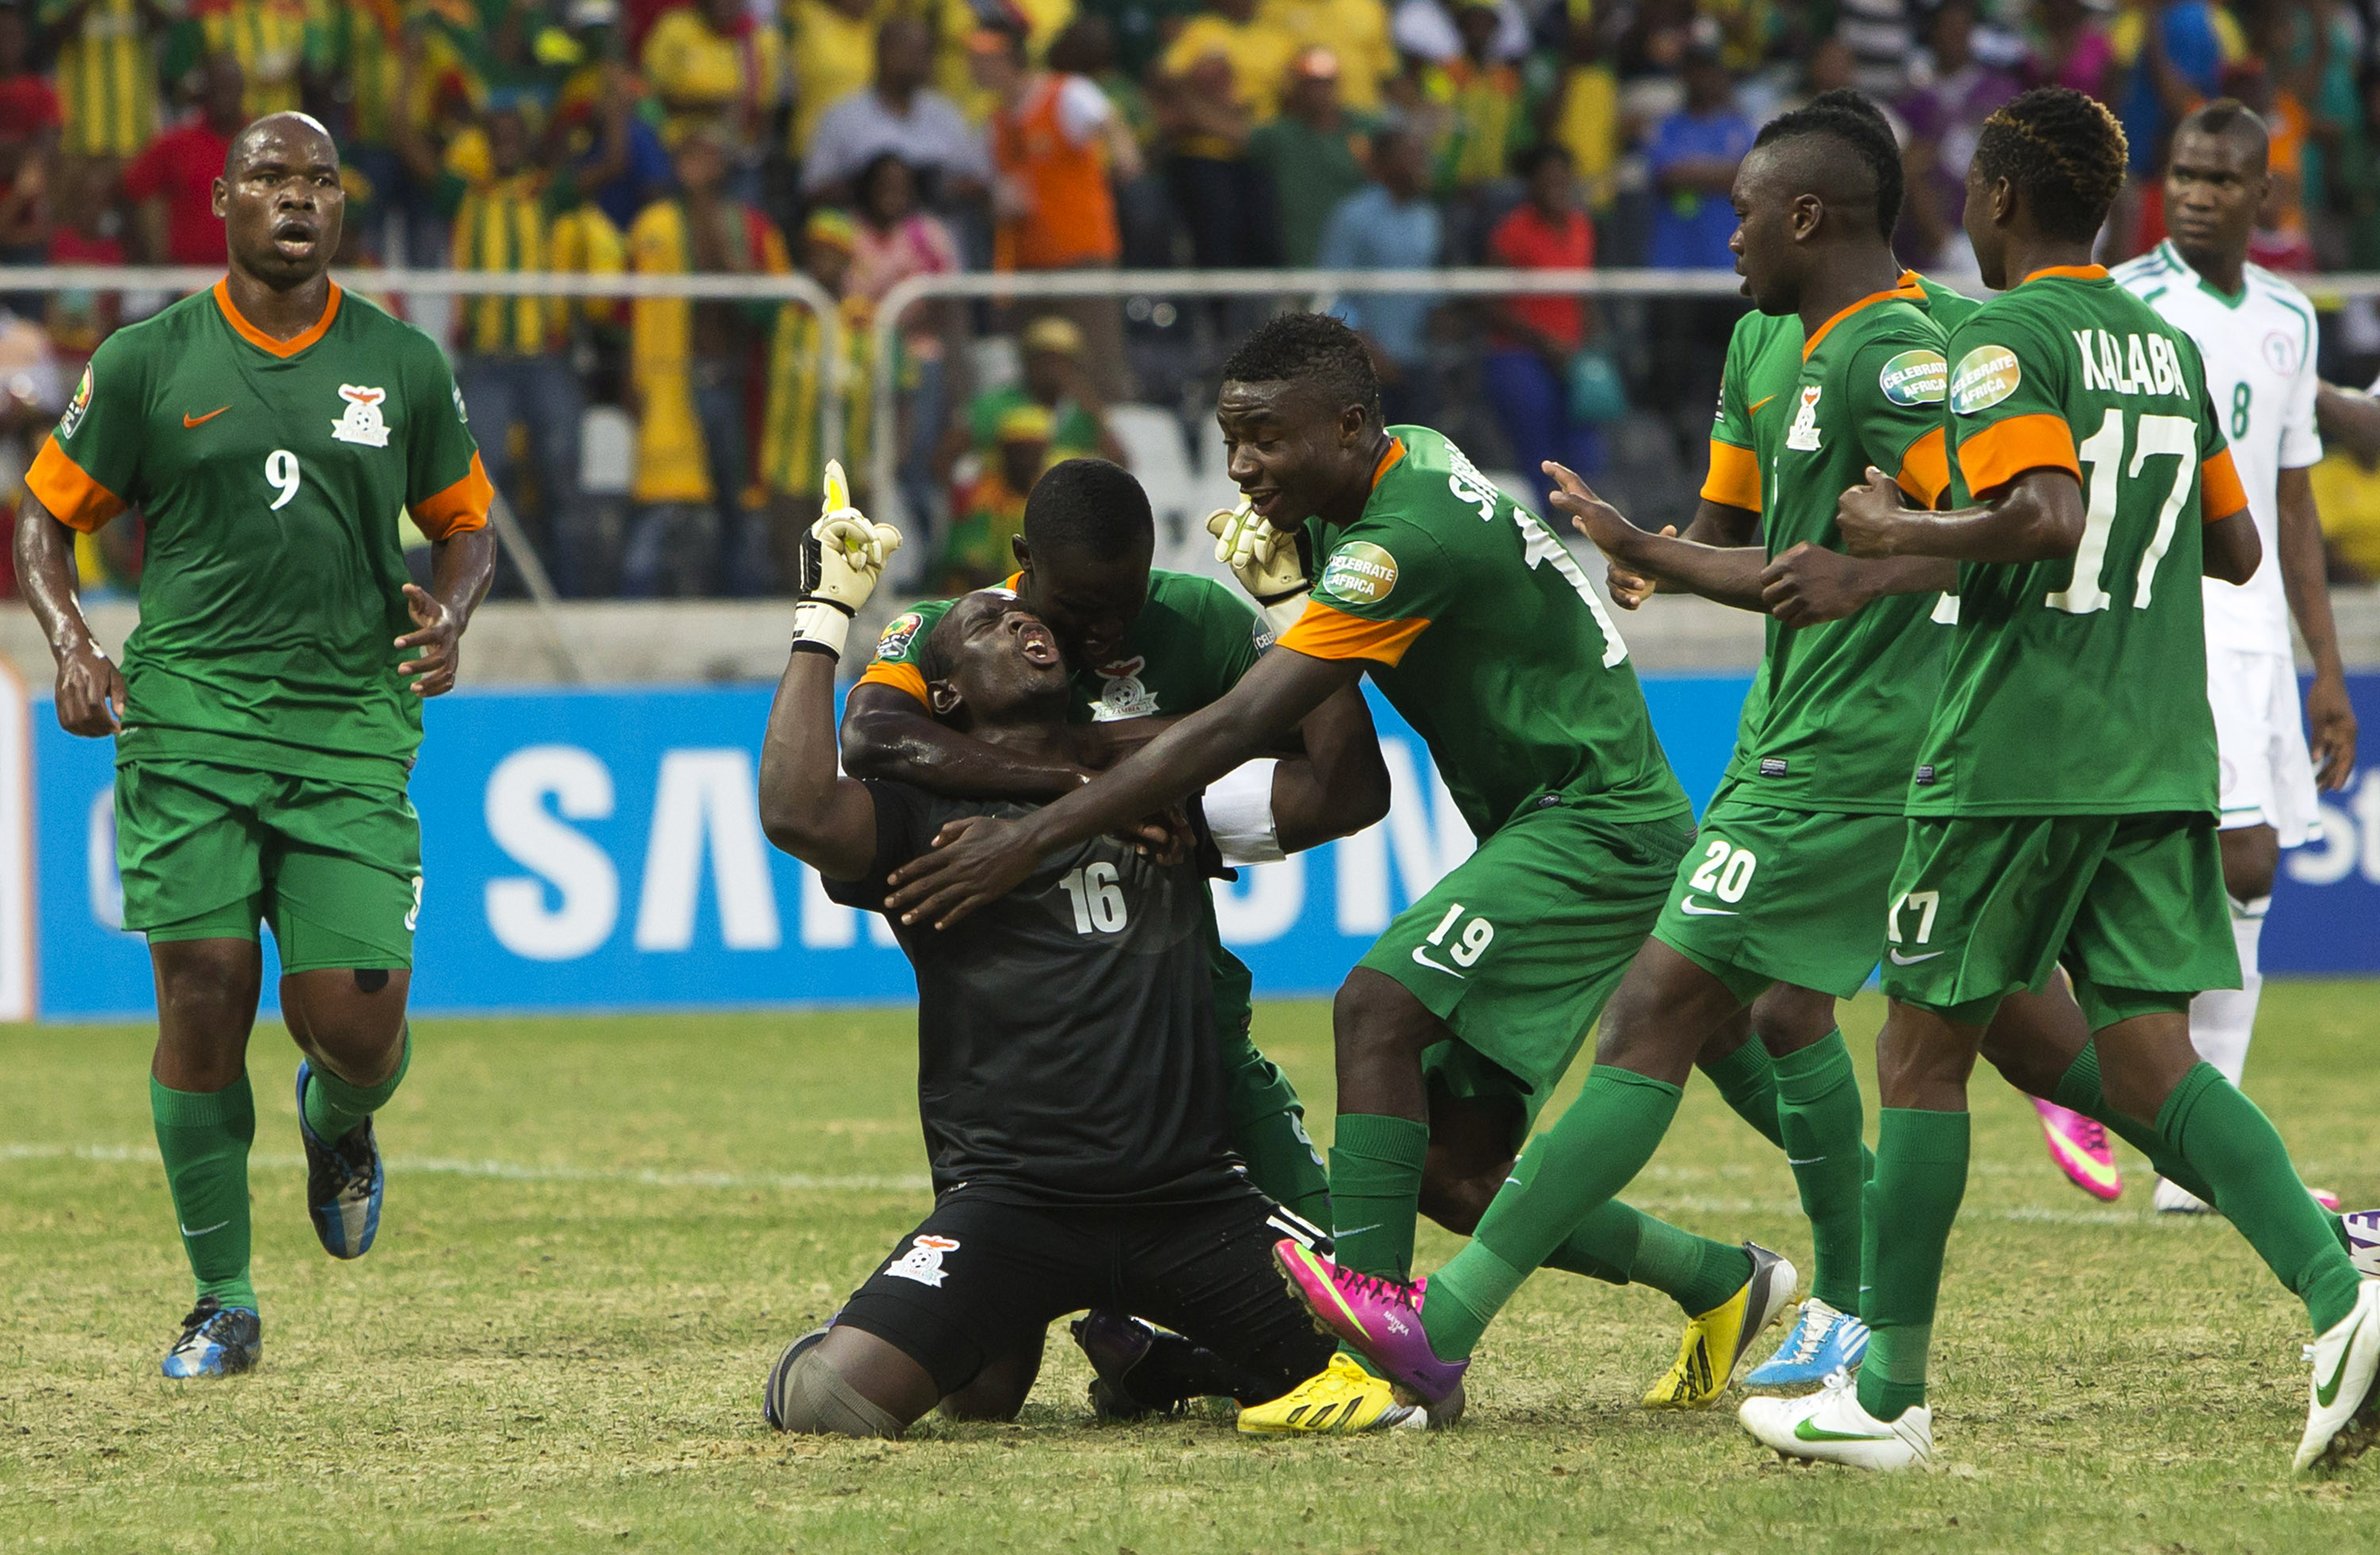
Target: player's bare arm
<point x="2039" y="516"/>
<point x="987" y="860"/>
<point x="2349" y="418"/>
<point x="808" y="807"/>
<point x="887" y="733"/>
<point x="2330" y="716"/>
<point x="1810" y="583"/>
<point x="1729" y="574"/>
<point x="1714" y="524"/>
<point x="90" y="690"/>
<point x="461" y="566"/>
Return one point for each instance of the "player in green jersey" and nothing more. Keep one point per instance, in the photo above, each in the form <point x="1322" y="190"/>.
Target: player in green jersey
<point x="1146" y="646"/>
<point x="1478" y="625"/>
<point x="270" y="702"/>
<point x="2063" y="805"/>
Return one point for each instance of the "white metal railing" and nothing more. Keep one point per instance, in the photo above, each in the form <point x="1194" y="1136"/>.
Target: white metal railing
<point x="1314" y="284"/>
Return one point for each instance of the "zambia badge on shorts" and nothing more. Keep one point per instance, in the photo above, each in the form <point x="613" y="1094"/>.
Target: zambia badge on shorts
<point x="923" y="1261"/>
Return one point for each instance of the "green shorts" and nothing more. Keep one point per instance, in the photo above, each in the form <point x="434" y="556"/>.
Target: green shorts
<point x="1769" y="896"/>
<point x="209" y="852"/>
<point x="1519" y="946"/>
<point x="2132" y="904"/>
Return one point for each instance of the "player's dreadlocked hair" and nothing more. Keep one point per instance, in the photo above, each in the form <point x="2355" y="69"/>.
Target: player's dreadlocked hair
<point x="1089" y="505"/>
<point x="1315" y="347"/>
<point x="2064" y="150"/>
<point x="1859" y="124"/>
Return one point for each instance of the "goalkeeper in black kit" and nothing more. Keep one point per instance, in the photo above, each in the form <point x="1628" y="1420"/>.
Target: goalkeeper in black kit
<point x="1074" y="1102"/>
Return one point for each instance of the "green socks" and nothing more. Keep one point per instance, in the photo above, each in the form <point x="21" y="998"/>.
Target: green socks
<point x="334" y="1106"/>
<point x="1375" y="1164"/>
<point x="1621" y="1246"/>
<point x="204" y="1136"/>
<point x="1819" y="1113"/>
<point x="1920" y="1175"/>
<point x="1463" y="1299"/>
<point x="2235" y="1148"/>
<point x="1748" y="1079"/>
<point x="1282" y="1162"/>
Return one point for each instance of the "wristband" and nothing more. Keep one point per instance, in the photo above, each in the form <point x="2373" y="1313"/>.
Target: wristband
<point x="1239" y="814"/>
<point x="1280" y="612"/>
<point x="819" y="626"/>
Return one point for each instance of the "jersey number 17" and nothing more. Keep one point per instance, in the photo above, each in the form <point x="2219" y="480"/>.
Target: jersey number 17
<point x="2103" y="453"/>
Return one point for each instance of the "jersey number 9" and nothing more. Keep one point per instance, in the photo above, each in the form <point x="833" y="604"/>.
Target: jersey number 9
<point x="281" y="469"/>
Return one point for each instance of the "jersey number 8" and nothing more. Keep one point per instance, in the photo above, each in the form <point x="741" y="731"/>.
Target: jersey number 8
<point x="2103" y="452"/>
<point x="281" y="469"/>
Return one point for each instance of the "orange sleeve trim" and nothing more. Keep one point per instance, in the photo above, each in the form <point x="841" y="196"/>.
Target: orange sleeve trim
<point x="901" y="678"/>
<point x="1998" y="454"/>
<point x="1734" y="478"/>
<point x="459" y="508"/>
<point x="1926" y="468"/>
<point x="73" y="497"/>
<point x="2219" y="493"/>
<point x="1325" y="633"/>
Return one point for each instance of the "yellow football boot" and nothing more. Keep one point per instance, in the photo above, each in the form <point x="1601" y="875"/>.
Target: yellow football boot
<point x="1716" y="1341"/>
<point x="1342" y="1400"/>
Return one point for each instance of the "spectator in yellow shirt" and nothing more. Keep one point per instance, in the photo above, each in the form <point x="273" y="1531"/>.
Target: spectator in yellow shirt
<point x="716" y="69"/>
<point x="833" y="51"/>
<point x="1222" y="76"/>
<point x="792" y="458"/>
<point x="980" y="549"/>
<point x="1356" y="33"/>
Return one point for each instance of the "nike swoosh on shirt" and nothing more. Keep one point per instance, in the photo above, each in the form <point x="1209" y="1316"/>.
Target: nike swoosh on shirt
<point x="1901" y="960"/>
<point x="1692" y="908"/>
<point x="1754" y="408"/>
<point x="189" y="420"/>
<point x="203" y="1230"/>
<point x="1422" y="956"/>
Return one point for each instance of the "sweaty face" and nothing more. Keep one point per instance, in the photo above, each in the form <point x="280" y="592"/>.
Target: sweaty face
<point x="1001" y="655"/>
<point x="1763" y="244"/>
<point x="1287" y="454"/>
<point x="2212" y="192"/>
<point x="1091" y="602"/>
<point x="281" y="202"/>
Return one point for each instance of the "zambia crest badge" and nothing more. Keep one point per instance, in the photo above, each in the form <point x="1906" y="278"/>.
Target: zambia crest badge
<point x="362" y="423"/>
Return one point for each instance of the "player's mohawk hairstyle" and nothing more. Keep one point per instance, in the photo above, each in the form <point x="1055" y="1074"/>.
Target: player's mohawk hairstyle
<point x="1314" y="347"/>
<point x="2064" y="150"/>
<point x="1850" y="118"/>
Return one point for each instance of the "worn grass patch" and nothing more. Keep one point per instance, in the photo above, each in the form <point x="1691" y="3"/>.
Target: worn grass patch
<point x="600" y="1232"/>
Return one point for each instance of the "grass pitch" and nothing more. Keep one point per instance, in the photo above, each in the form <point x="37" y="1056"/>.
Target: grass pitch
<point x="600" y="1233"/>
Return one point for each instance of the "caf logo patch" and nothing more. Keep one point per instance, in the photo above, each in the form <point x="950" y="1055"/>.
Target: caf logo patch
<point x="898" y="634"/>
<point x="1359" y="573"/>
<point x="1985" y="376"/>
<point x="81" y="402"/>
<point x="1918" y="376"/>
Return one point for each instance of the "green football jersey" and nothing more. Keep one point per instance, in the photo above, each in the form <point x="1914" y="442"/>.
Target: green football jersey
<point x="1480" y="628"/>
<point x="2078" y="686"/>
<point x="271" y="476"/>
<point x="1191" y="641"/>
<point x="1764" y="357"/>
<point x="1947" y="308"/>
<point x="1833" y="720"/>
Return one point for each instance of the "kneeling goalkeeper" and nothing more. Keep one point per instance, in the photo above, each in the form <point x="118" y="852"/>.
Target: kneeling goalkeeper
<point x="1073" y="1099"/>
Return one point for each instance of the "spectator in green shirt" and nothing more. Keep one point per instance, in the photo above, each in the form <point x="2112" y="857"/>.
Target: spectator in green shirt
<point x="1317" y="152"/>
<point x="1053" y="379"/>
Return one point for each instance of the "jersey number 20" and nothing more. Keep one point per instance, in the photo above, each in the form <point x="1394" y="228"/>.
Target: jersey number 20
<point x="2102" y="451"/>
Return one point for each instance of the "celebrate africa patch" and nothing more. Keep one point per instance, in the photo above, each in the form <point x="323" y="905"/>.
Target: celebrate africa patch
<point x="1358" y="573"/>
<point x="1986" y="375"/>
<point x="1918" y="376"/>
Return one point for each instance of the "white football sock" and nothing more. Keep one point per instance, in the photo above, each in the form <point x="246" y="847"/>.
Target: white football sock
<point x="2222" y="1020"/>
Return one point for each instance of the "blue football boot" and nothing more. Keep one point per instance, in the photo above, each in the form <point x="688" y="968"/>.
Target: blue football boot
<point x="217" y="1341"/>
<point x="1821" y="1341"/>
<point x="344" y="1182"/>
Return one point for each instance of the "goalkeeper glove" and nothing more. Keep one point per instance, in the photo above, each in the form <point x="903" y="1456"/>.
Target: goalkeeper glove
<point x="1272" y="566"/>
<point x="843" y="557"/>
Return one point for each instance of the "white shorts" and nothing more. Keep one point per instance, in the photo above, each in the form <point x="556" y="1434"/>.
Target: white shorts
<point x="2267" y="773"/>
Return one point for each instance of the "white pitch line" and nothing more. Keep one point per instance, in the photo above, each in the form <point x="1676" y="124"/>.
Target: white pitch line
<point x="801" y="1181"/>
<point x="514" y="1172"/>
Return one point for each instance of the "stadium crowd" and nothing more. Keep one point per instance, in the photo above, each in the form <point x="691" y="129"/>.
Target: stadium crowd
<point x="866" y="141"/>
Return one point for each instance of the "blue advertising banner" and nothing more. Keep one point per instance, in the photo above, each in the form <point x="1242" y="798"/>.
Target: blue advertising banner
<point x="601" y="850"/>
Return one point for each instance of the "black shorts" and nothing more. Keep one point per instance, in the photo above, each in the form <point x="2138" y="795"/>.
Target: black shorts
<point x="982" y="1279"/>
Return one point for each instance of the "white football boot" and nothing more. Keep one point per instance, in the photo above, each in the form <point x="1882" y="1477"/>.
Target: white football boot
<point x="2344" y="1415"/>
<point x="1829" y="1426"/>
<point x="2172" y="1198"/>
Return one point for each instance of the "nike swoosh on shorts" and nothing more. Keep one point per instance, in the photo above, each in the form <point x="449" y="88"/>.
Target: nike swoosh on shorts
<point x="1901" y="960"/>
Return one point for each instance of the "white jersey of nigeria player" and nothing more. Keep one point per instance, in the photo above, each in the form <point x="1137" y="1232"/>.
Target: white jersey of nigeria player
<point x="2259" y="351"/>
